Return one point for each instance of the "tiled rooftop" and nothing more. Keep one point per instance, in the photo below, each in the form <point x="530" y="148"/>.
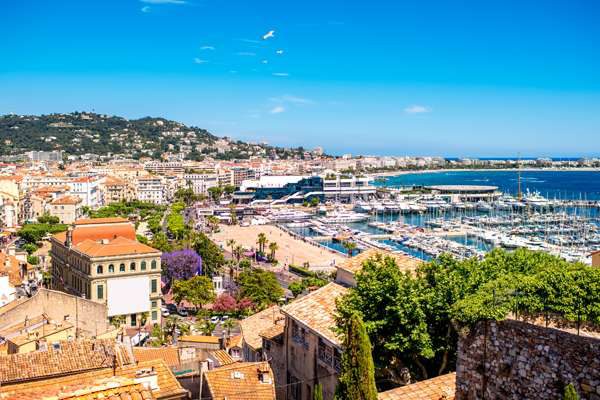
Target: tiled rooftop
<point x="222" y="357"/>
<point x="439" y="388"/>
<point x="316" y="310"/>
<point x="199" y="339"/>
<point x="97" y="233"/>
<point x="116" y="247"/>
<point x="170" y="355"/>
<point x="72" y="357"/>
<point x="240" y="381"/>
<point x="253" y="325"/>
<point x="168" y="386"/>
<point x="67" y="200"/>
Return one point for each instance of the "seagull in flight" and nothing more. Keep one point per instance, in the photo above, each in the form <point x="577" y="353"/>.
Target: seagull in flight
<point x="280" y="52"/>
<point x="269" y="35"/>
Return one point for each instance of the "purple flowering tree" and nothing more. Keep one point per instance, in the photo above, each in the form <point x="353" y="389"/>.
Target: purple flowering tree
<point x="181" y="264"/>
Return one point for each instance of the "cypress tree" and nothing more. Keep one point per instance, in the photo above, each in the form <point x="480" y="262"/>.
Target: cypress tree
<point x="318" y="394"/>
<point x="357" y="378"/>
<point x="570" y="393"/>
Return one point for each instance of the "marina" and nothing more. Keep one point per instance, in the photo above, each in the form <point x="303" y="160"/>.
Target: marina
<point x="463" y="221"/>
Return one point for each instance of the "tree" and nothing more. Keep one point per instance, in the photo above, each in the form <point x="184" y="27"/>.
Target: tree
<point x="197" y="290"/>
<point x="117" y="321"/>
<point x="215" y="193"/>
<point x="206" y="327"/>
<point x="229" y="325"/>
<point x="570" y="393"/>
<point x="181" y="264"/>
<point x="33" y="260"/>
<point x="212" y="222"/>
<point x="161" y="242"/>
<point x="260" y="286"/>
<point x="229" y="189"/>
<point x="30" y="248"/>
<point x="357" y="377"/>
<point x="273" y="247"/>
<point x="48" y="219"/>
<point x="261" y="241"/>
<point x="350" y="247"/>
<point x="225" y="304"/>
<point x="231" y="243"/>
<point x="318" y="393"/>
<point x="233" y="214"/>
<point x="296" y="288"/>
<point x="212" y="256"/>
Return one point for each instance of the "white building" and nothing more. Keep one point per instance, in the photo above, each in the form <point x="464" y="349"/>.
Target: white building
<point x="200" y="182"/>
<point x="87" y="188"/>
<point x="151" y="189"/>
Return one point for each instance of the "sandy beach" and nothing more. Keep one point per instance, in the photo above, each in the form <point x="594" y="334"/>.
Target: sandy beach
<point x="291" y="250"/>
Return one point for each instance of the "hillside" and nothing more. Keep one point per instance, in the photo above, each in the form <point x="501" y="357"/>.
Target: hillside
<point x="83" y="133"/>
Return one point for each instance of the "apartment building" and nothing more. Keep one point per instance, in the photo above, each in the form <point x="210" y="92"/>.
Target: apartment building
<point x="312" y="348"/>
<point x="347" y="188"/>
<point x="200" y="182"/>
<point x="151" y="189"/>
<point x="67" y="208"/>
<point x="13" y="202"/>
<point x="115" y="190"/>
<point x="101" y="260"/>
<point x="88" y="189"/>
<point x="164" y="168"/>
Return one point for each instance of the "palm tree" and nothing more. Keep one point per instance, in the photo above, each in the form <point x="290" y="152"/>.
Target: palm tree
<point x="213" y="222"/>
<point x="117" y="321"/>
<point x="239" y="250"/>
<point x="231" y="243"/>
<point x="350" y="247"/>
<point x="233" y="213"/>
<point x="262" y="241"/>
<point x="229" y="325"/>
<point x="206" y="327"/>
<point x="273" y="247"/>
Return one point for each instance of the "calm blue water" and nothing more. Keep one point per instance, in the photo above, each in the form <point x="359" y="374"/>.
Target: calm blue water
<point x="551" y="184"/>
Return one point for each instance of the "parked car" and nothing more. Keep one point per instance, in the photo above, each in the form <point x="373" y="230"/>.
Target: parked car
<point x="172" y="308"/>
<point x="214" y="319"/>
<point x="224" y="318"/>
<point x="182" y="311"/>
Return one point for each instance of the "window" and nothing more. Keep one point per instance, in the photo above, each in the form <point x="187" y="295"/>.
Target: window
<point x="99" y="269"/>
<point x="325" y="353"/>
<point x="153" y="264"/>
<point x="154" y="304"/>
<point x="153" y="286"/>
<point x="132" y="266"/>
<point x="111" y="269"/>
<point x="143" y="266"/>
<point x="122" y="268"/>
<point x="299" y="335"/>
<point x="154" y="315"/>
<point x="100" y="292"/>
<point x="133" y="319"/>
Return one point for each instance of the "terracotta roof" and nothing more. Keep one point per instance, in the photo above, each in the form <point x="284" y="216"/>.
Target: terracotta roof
<point x="96" y="221"/>
<point x="72" y="357"/>
<point x="241" y="381"/>
<point x="170" y="355"/>
<point x="404" y="262"/>
<point x="442" y="387"/>
<point x="111" y="180"/>
<point x="67" y="200"/>
<point x="11" y="266"/>
<point x="234" y="341"/>
<point x="51" y="189"/>
<point x="316" y="310"/>
<point x="199" y="339"/>
<point x="273" y="332"/>
<point x="168" y="386"/>
<point x="222" y="357"/>
<point x="97" y="233"/>
<point x="117" y="247"/>
<point x="254" y="324"/>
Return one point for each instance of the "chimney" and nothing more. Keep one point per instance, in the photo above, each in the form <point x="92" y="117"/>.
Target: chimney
<point x="69" y="240"/>
<point x="11" y="250"/>
<point x="148" y="378"/>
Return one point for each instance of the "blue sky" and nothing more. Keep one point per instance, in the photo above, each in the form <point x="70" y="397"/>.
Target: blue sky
<point x="450" y="78"/>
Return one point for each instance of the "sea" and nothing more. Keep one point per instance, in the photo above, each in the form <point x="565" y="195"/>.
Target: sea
<point x="551" y="184"/>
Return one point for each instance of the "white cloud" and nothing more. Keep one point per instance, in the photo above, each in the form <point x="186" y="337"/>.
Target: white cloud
<point x="199" y="61"/>
<point x="207" y="48"/>
<point x="163" y="1"/>
<point x="417" y="109"/>
<point x="146" y="9"/>
<point x="280" y="74"/>
<point x="249" y="41"/>
<point x="246" y="54"/>
<point x="288" y="98"/>
<point x="277" y="110"/>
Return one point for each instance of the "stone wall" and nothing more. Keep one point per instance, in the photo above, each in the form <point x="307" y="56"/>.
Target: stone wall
<point x="517" y="360"/>
<point x="88" y="316"/>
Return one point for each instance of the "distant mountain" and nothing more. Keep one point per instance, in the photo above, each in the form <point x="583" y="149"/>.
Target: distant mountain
<point x="84" y="133"/>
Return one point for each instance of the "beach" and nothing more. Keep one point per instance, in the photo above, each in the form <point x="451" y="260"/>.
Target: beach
<point x="291" y="250"/>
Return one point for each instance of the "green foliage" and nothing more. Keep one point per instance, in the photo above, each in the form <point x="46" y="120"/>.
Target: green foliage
<point x="357" y="378"/>
<point x="302" y="271"/>
<point x="30" y="248"/>
<point x="298" y="287"/>
<point x="570" y="393"/>
<point x="260" y="286"/>
<point x="318" y="393"/>
<point x="212" y="255"/>
<point x="161" y="243"/>
<point x="48" y="219"/>
<point x="176" y="222"/>
<point x="410" y="318"/>
<point x="215" y="192"/>
<point x="33" y="233"/>
<point x="197" y="290"/>
<point x="245" y="264"/>
<point x="33" y="260"/>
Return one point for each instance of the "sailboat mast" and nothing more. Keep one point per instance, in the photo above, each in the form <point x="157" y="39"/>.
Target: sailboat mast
<point x="519" y="193"/>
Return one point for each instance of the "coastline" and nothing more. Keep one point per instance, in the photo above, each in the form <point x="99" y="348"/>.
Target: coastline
<point x="443" y="170"/>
